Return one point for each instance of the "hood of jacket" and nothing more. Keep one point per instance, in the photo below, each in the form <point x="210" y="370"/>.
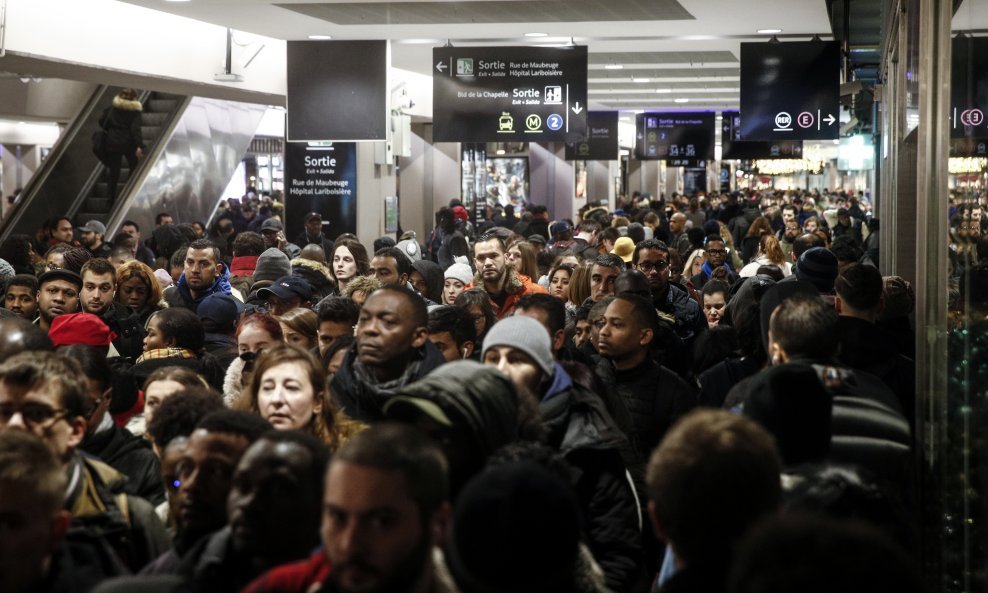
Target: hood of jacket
<point x="577" y="418"/>
<point x="433" y="275"/>
<point x="313" y="271"/>
<point x="243" y="265"/>
<point x="127" y="104"/>
<point x="363" y="400"/>
<point x="477" y="399"/>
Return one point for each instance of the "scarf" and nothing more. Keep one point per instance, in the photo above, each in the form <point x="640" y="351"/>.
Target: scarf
<point x="159" y="353"/>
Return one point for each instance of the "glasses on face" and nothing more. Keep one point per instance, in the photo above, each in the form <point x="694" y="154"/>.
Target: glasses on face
<point x="717" y="251"/>
<point x="32" y="413"/>
<point x="652" y="266"/>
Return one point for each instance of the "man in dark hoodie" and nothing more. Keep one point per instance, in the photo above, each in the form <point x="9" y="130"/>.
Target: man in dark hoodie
<point x="204" y="274"/>
<point x="392" y="350"/>
<point x="584" y="433"/>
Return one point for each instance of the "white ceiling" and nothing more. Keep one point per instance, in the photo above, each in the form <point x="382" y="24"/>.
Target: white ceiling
<point x="688" y="50"/>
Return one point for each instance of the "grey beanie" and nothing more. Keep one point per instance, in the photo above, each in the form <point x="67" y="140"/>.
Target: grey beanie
<point x="271" y="265"/>
<point x="525" y="334"/>
<point x="6" y="271"/>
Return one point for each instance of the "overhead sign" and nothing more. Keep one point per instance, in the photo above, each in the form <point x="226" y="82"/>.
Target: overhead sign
<point x="337" y="90"/>
<point x="733" y="147"/>
<point x="790" y="91"/>
<point x="321" y="177"/>
<point x="674" y="135"/>
<point x="601" y="143"/>
<point x="509" y="94"/>
<point x="969" y="91"/>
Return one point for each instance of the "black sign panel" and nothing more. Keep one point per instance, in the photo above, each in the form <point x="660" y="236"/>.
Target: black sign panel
<point x="509" y="94"/>
<point x="688" y="163"/>
<point x="733" y="147"/>
<point x="969" y="147"/>
<point x="321" y="178"/>
<point x="601" y="143"/>
<point x="969" y="90"/>
<point x="337" y="90"/>
<point x="674" y="135"/>
<point x="790" y="91"/>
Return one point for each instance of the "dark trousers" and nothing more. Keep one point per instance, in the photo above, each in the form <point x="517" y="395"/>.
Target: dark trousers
<point x="113" y="164"/>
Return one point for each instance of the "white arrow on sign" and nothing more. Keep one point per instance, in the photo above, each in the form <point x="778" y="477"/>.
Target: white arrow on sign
<point x="576" y="108"/>
<point x="440" y="66"/>
<point x="830" y="119"/>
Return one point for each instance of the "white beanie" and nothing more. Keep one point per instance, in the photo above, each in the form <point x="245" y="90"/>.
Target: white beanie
<point x="461" y="272"/>
<point x="525" y="334"/>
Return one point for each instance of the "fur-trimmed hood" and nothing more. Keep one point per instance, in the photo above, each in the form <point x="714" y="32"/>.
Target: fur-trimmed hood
<point x="315" y="266"/>
<point x="126" y="104"/>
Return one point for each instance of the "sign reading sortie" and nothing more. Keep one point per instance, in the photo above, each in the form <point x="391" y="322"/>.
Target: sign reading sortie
<point x="321" y="177"/>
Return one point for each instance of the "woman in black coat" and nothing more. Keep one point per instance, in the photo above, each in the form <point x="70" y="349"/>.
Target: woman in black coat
<point x="122" y="123"/>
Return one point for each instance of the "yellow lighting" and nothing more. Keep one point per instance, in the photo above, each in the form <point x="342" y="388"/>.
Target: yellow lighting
<point x="966" y="165"/>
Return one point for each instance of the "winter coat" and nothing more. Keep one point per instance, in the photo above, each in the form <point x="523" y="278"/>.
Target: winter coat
<point x="363" y="400"/>
<point x="128" y="327"/>
<point x="104" y="515"/>
<point x="131" y="456"/>
<point x="690" y="320"/>
<point x="866" y="347"/>
<point x="304" y="239"/>
<point x="752" y="268"/>
<point x="180" y="295"/>
<point x="233" y="381"/>
<point x="655" y="396"/>
<point x="318" y="275"/>
<point x="516" y="286"/>
<point x="868" y="427"/>
<point x="584" y="433"/>
<point x="122" y="123"/>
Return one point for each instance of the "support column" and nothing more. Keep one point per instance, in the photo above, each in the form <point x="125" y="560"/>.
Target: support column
<point x="374" y="183"/>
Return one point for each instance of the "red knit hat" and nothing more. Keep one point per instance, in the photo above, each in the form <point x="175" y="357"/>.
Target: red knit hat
<point x="80" y="328"/>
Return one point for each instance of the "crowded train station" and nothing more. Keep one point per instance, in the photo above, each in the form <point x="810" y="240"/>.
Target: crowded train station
<point x="493" y="296"/>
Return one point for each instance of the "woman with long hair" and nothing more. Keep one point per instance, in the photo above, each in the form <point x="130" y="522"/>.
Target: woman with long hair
<point x="348" y="260"/>
<point x="522" y="255"/>
<point x="288" y="388"/>
<point x="138" y="289"/>
<point x="769" y="254"/>
<point x="477" y="303"/>
<point x="579" y="284"/>
<point x="300" y="326"/>
<point x="749" y="244"/>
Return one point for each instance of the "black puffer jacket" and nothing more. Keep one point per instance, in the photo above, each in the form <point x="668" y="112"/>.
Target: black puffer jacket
<point x="363" y="400"/>
<point x="584" y="433"/>
<point x="656" y="397"/>
<point x="122" y="122"/>
<point x="131" y="456"/>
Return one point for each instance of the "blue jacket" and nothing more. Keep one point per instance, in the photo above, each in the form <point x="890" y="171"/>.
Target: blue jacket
<point x="180" y="295"/>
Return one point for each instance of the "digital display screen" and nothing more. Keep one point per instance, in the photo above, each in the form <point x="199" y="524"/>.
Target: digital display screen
<point x="790" y="90"/>
<point x="969" y="90"/>
<point x="733" y="147"/>
<point x="674" y="135"/>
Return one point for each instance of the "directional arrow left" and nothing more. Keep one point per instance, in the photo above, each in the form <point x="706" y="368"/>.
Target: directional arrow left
<point x="830" y="119"/>
<point x="440" y="66"/>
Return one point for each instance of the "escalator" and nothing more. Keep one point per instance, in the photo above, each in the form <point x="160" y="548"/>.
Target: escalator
<point x="72" y="182"/>
<point x="193" y="147"/>
<point x="159" y="110"/>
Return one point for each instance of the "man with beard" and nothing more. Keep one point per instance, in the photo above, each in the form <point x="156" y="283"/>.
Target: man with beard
<point x="651" y="258"/>
<point x="716" y="251"/>
<point x="386" y="513"/>
<point x="92" y="239"/>
<point x="97" y="296"/>
<point x="203" y="275"/>
<point x="21" y="296"/>
<point x="501" y="281"/>
<point x="58" y="293"/>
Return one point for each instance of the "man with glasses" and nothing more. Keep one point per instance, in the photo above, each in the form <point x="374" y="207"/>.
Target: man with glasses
<point x="46" y="394"/>
<point x="651" y="258"/>
<point x="715" y="250"/>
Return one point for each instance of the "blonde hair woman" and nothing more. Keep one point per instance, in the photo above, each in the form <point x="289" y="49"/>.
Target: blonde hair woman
<point x="769" y="254"/>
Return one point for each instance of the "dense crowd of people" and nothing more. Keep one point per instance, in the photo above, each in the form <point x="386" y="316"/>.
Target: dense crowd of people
<point x="705" y="393"/>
